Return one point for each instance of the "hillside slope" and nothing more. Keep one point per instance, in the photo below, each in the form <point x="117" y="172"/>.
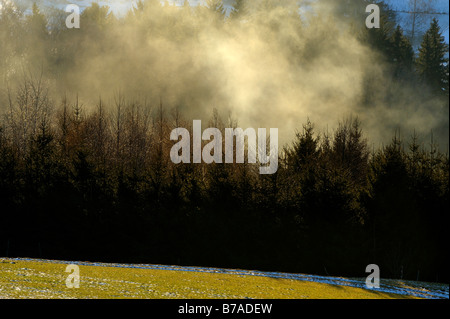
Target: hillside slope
<point x="45" y="279"/>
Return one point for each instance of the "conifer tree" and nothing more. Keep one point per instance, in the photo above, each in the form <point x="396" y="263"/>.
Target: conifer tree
<point x="402" y="53"/>
<point x="216" y="6"/>
<point x="240" y="9"/>
<point x="432" y="63"/>
<point x="305" y="148"/>
<point x="37" y="36"/>
<point x="379" y="38"/>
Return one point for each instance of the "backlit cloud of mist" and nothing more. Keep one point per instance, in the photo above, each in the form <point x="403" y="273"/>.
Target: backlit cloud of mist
<point x="272" y="69"/>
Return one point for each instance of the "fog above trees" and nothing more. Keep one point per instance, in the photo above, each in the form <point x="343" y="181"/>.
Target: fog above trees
<point x="266" y="67"/>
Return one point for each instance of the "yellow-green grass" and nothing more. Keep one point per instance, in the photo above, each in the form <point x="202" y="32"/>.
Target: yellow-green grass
<point x="44" y="280"/>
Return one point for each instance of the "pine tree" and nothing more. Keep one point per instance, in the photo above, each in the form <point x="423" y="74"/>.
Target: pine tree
<point x="401" y="52"/>
<point x="146" y="6"/>
<point x="379" y="38"/>
<point x="350" y="151"/>
<point x="240" y="9"/>
<point x="305" y="149"/>
<point x="216" y="6"/>
<point x="37" y="37"/>
<point x="446" y="79"/>
<point x="432" y="64"/>
<point x="186" y="6"/>
<point x="98" y="17"/>
<point x="37" y="21"/>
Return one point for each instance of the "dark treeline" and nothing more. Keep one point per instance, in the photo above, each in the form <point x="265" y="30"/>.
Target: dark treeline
<point x="95" y="181"/>
<point x="101" y="186"/>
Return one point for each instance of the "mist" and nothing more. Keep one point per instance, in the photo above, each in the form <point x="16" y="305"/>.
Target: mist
<point x="272" y="68"/>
